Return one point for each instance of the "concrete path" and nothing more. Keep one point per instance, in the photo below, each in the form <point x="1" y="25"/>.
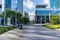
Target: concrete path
<point x="31" y="32"/>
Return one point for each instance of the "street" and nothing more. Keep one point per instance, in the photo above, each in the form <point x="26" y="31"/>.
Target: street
<point x="31" y="32"/>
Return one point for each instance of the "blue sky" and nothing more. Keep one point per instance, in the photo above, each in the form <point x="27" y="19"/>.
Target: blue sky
<point x="0" y="1"/>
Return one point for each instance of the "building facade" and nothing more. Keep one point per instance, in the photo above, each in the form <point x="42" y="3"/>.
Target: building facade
<point x="17" y="5"/>
<point x="43" y="14"/>
<point x="55" y="3"/>
<point x="11" y="4"/>
<point x="6" y="4"/>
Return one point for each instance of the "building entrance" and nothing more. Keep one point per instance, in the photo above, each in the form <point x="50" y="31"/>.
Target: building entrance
<point x="42" y="19"/>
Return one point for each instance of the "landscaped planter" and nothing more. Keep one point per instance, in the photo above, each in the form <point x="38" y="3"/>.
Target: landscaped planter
<point x="51" y="26"/>
<point x="5" y="29"/>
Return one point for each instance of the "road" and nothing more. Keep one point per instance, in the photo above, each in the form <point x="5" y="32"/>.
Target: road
<point x="31" y="32"/>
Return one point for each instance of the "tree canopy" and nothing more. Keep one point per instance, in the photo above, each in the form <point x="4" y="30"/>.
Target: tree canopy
<point x="55" y="19"/>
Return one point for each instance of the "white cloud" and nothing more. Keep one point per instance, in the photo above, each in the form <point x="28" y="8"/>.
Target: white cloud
<point x="47" y="2"/>
<point x="29" y="4"/>
<point x="32" y="16"/>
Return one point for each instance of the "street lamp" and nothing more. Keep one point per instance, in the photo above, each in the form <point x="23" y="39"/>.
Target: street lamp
<point x="45" y="18"/>
<point x="16" y="17"/>
<point x="16" y="14"/>
<point x="4" y="15"/>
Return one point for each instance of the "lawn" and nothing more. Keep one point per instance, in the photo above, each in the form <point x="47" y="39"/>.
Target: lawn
<point x="5" y="29"/>
<point x="51" y="26"/>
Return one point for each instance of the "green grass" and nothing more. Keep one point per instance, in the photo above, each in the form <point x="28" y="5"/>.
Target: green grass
<point x="5" y="29"/>
<point x="51" y="26"/>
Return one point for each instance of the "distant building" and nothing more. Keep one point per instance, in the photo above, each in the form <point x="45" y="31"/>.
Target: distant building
<point x="25" y="14"/>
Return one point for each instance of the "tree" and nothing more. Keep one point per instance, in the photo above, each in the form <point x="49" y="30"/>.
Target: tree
<point x="19" y="16"/>
<point x="54" y="19"/>
<point x="1" y="15"/>
<point x="25" y="20"/>
<point x="13" y="15"/>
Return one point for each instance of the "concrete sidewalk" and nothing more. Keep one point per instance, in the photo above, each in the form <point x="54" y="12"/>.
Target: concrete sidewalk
<point x="10" y="35"/>
<point x="31" y="32"/>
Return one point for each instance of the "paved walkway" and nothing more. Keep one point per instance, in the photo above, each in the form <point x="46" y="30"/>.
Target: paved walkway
<point x="31" y="32"/>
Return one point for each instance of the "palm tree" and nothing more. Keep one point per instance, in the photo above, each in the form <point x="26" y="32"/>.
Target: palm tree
<point x="12" y="15"/>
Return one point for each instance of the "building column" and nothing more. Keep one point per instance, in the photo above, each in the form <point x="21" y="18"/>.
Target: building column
<point x="49" y="17"/>
<point x="0" y="20"/>
<point x="3" y="5"/>
<point x="45" y="18"/>
<point x="41" y="20"/>
<point x="8" y="21"/>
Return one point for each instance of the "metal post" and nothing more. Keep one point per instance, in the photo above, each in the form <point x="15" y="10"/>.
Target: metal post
<point x="4" y="15"/>
<point x="4" y="18"/>
<point x="16" y="14"/>
<point x="16" y="17"/>
<point x="41" y="20"/>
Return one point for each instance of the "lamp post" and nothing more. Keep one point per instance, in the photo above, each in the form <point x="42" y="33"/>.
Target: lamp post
<point x="4" y="14"/>
<point x="16" y="14"/>
<point x="45" y="18"/>
<point x="16" y="17"/>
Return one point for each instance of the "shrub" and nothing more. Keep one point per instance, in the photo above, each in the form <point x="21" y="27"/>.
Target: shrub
<point x="25" y="20"/>
<point x="5" y="29"/>
<point x="51" y="26"/>
<point x="54" y="19"/>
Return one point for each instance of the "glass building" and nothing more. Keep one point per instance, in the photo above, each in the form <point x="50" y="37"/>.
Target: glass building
<point x="20" y="5"/>
<point x="8" y="4"/>
<point x="11" y="4"/>
<point x="43" y="14"/>
<point x="55" y="3"/>
<point x="17" y="5"/>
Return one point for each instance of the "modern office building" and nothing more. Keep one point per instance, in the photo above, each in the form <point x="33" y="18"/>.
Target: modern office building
<point x="11" y="4"/>
<point x="6" y="4"/>
<point x="17" y="5"/>
<point x="55" y="3"/>
<point x="43" y="14"/>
